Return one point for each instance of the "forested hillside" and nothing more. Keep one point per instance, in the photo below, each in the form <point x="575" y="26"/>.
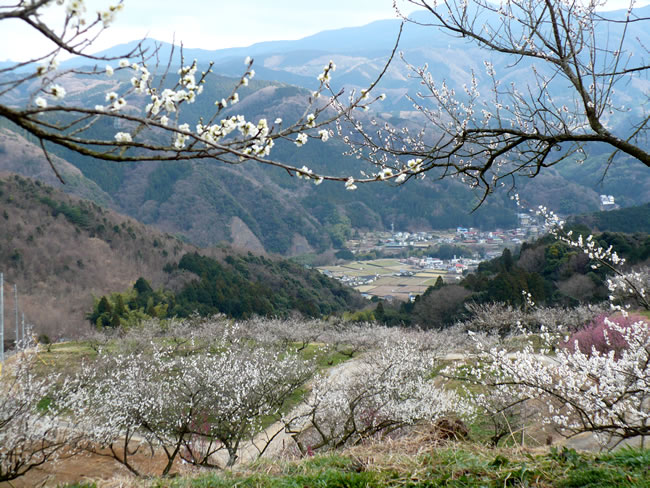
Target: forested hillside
<point x="264" y="209"/>
<point x="553" y="273"/>
<point x="631" y="219"/>
<point x="62" y="252"/>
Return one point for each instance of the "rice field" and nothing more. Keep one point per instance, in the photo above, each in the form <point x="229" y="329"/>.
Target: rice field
<point x="386" y="277"/>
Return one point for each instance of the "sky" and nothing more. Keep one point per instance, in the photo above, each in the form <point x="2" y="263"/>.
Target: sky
<point x="214" y="24"/>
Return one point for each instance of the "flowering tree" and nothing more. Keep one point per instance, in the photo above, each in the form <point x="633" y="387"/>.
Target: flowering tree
<point x="31" y="429"/>
<point x="603" y="393"/>
<point x="503" y="319"/>
<point x="576" y="58"/>
<point x="192" y="405"/>
<point x="389" y="388"/>
<point x="147" y="109"/>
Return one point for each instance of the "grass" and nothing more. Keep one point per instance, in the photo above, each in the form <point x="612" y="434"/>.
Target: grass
<point x="430" y="282"/>
<point x="64" y="356"/>
<point x="466" y="466"/>
<point x="325" y="358"/>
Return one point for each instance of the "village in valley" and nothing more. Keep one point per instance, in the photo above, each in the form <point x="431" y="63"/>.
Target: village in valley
<point x="413" y="261"/>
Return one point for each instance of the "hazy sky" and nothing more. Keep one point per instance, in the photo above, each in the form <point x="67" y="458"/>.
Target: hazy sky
<point x="215" y="24"/>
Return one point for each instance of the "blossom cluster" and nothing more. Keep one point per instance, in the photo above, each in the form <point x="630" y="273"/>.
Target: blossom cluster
<point x="600" y="392"/>
<point x="147" y="110"/>
<point x="389" y="388"/>
<point x="30" y="432"/>
<point x="220" y="394"/>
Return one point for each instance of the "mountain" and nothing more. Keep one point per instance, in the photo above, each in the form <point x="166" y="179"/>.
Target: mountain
<point x="628" y="220"/>
<point x="263" y="209"/>
<point x="361" y="53"/>
<point x="253" y="206"/>
<point x="62" y="251"/>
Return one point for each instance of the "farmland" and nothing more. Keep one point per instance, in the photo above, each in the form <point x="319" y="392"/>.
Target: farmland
<point x="387" y="277"/>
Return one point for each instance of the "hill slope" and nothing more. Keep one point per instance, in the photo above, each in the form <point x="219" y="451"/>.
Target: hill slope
<point x="631" y="219"/>
<point x="62" y="251"/>
<point x="263" y="209"/>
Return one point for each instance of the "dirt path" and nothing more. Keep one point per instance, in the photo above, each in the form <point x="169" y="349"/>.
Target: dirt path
<point x="275" y="440"/>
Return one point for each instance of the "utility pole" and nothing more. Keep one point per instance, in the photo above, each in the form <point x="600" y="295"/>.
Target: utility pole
<point x="2" y="318"/>
<point x="16" y="311"/>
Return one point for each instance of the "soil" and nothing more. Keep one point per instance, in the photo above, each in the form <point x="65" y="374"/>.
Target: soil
<point x="102" y="470"/>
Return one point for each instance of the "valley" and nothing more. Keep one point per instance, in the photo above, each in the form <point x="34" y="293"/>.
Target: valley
<point x="344" y="260"/>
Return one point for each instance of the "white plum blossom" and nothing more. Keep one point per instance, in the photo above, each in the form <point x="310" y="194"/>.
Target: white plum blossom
<point x="32" y="433"/>
<point x="219" y="395"/>
<point x="40" y="102"/>
<point x="385" y="173"/>
<point x="76" y="8"/>
<point x="415" y="165"/>
<point x="108" y="16"/>
<point x="391" y="387"/>
<point x="301" y="139"/>
<point x="179" y="142"/>
<point x="57" y="91"/>
<point x="109" y="70"/>
<point x="349" y="184"/>
<point x="324" y="135"/>
<point x="597" y="392"/>
<point x="118" y="104"/>
<point x="304" y="172"/>
<point x="123" y="137"/>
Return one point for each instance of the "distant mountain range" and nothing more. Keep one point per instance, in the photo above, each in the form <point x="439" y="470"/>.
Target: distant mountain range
<point x="361" y="52"/>
<point x="263" y="209"/>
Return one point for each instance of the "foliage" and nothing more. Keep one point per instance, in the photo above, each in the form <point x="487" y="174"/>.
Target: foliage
<point x="553" y="272"/>
<point x="240" y="286"/>
<point x="130" y="308"/>
<point x="246" y="285"/>
<point x="80" y="215"/>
